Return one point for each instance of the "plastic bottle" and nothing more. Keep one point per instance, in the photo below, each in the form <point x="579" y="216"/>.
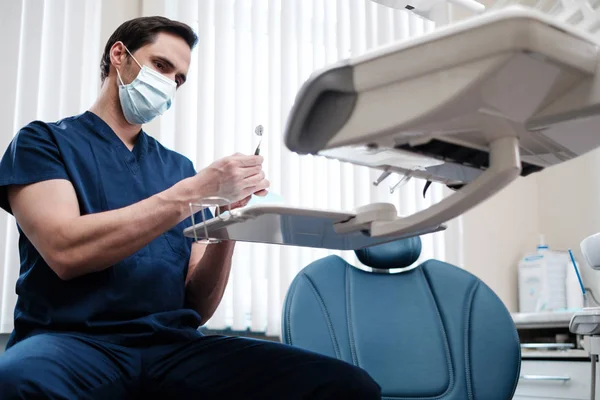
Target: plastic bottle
<point x="554" y="293"/>
<point x="541" y="280"/>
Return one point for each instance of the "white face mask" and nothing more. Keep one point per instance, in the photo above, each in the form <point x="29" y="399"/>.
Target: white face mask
<point x="149" y="95"/>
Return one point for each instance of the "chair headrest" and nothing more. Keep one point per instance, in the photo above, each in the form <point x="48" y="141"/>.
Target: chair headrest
<point x="397" y="254"/>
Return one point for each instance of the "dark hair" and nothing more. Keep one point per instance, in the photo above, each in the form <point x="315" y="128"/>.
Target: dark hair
<point x="139" y="32"/>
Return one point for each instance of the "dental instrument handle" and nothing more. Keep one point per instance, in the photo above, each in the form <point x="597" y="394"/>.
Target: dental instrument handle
<point x="257" y="151"/>
<point x="401" y="182"/>
<point x="381" y="178"/>
<point x="577" y="273"/>
<point x="259" y="132"/>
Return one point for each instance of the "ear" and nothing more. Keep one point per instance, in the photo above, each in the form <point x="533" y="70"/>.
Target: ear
<point x="118" y="54"/>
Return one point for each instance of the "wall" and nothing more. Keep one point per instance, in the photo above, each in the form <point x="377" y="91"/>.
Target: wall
<point x="562" y="203"/>
<point x="569" y="207"/>
<point x="497" y="233"/>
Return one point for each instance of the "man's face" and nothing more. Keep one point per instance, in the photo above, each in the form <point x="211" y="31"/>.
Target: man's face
<point x="169" y="55"/>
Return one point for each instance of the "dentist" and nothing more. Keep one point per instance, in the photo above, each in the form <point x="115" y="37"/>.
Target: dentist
<point x="110" y="292"/>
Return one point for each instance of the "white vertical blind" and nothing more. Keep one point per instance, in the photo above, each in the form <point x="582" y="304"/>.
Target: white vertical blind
<point x="11" y="16"/>
<point x="251" y="59"/>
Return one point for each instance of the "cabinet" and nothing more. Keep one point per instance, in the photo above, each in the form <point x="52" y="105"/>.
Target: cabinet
<point x="554" y="379"/>
<point x="554" y="363"/>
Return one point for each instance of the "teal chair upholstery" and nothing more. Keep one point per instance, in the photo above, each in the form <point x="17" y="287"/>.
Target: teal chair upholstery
<point x="431" y="332"/>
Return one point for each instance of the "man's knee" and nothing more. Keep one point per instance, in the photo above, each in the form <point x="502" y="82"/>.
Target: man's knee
<point x="17" y="379"/>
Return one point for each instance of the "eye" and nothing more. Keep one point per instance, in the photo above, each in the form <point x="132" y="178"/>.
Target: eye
<point x="159" y="65"/>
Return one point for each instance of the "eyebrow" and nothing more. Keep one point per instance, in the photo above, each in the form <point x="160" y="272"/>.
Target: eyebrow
<point x="172" y="66"/>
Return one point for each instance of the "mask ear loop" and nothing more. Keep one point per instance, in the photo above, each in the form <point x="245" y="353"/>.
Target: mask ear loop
<point x="128" y="52"/>
<point x="204" y="203"/>
<point x="119" y="76"/>
<point x="134" y="59"/>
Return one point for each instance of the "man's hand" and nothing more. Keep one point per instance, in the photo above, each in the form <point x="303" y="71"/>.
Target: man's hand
<point x="238" y="204"/>
<point x="244" y="202"/>
<point x="234" y="178"/>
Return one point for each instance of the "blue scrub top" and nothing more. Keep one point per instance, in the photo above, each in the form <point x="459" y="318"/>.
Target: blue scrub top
<point x="142" y="298"/>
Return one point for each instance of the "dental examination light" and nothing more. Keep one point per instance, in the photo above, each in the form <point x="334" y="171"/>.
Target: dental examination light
<point x="473" y="105"/>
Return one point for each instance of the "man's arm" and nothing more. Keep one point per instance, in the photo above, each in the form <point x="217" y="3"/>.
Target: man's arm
<point x="208" y="272"/>
<point x="207" y="277"/>
<point x="75" y="245"/>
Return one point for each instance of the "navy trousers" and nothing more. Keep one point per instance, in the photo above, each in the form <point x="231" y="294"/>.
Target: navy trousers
<point x="60" y="366"/>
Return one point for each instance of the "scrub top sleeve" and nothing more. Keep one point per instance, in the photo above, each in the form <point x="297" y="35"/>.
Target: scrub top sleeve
<point x="32" y="156"/>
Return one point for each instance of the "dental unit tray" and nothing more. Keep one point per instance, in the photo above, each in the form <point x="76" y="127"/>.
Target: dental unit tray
<point x="279" y="224"/>
<point x="473" y="105"/>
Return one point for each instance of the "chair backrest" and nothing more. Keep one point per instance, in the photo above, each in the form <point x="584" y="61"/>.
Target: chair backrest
<point x="432" y="332"/>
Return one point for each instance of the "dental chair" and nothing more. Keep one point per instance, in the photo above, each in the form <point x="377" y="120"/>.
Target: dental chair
<point x="433" y="331"/>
